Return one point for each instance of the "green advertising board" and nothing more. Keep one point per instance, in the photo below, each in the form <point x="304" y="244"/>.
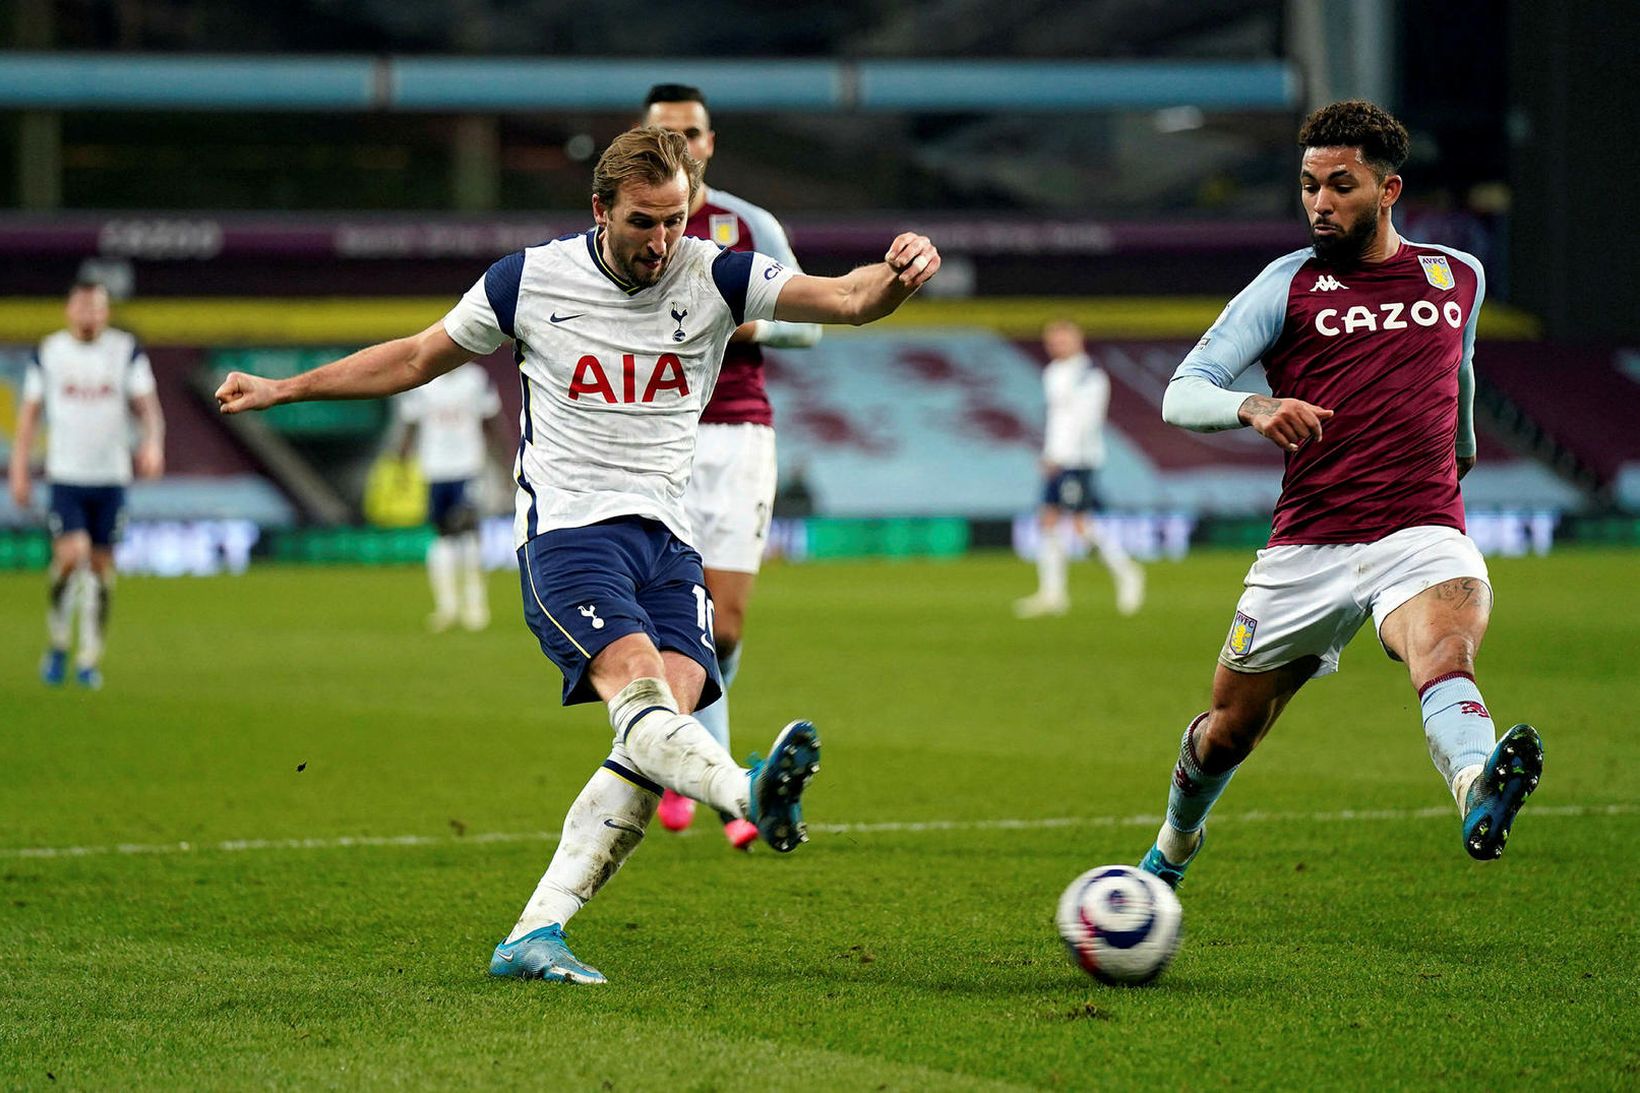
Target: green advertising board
<point x="338" y="419"/>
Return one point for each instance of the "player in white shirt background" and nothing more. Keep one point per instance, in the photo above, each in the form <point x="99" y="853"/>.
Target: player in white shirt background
<point x="86" y="383"/>
<point x="619" y="334"/>
<point x="730" y="499"/>
<point x="446" y="424"/>
<point x="1077" y="393"/>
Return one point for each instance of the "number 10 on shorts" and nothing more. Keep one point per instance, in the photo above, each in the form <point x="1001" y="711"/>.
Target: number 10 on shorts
<point x="703" y="616"/>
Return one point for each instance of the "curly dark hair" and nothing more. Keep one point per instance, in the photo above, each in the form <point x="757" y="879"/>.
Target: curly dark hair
<point x="1357" y="123"/>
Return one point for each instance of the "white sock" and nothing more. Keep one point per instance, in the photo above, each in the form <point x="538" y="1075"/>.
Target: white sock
<point x="1117" y="560"/>
<point x="602" y="829"/>
<point x="65" y="590"/>
<point x="1127" y="573"/>
<point x="1050" y="566"/>
<point x="1462" y="781"/>
<point x="94" y="596"/>
<point x="1177" y="846"/>
<point x="441" y="574"/>
<point x="674" y="749"/>
<point x="475" y="596"/>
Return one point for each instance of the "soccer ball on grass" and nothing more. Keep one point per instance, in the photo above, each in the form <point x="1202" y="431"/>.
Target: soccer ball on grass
<point x="1120" y="924"/>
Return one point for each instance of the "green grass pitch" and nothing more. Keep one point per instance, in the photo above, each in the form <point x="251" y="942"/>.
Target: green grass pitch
<point x="290" y="725"/>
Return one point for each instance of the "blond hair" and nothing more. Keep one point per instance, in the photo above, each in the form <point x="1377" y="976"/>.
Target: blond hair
<point x="650" y="155"/>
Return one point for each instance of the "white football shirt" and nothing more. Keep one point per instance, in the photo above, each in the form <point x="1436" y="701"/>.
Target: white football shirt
<point x="449" y="415"/>
<point x="1078" y="394"/>
<point x="614" y="375"/>
<point x="86" y="389"/>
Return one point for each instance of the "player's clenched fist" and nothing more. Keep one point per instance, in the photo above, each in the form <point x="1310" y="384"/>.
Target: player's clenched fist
<point x="1287" y="422"/>
<point x="914" y="258"/>
<point x="241" y="391"/>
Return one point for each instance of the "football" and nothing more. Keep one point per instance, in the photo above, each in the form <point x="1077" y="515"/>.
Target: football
<point x="1120" y="924"/>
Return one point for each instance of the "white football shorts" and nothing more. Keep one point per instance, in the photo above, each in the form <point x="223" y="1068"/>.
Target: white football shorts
<point x="1309" y="600"/>
<point x="731" y="495"/>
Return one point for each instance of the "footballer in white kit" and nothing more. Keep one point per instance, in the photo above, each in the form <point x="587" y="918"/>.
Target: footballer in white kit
<point x="87" y="382"/>
<point x="618" y="334"/>
<point x="1077" y="395"/>
<point x="446" y="424"/>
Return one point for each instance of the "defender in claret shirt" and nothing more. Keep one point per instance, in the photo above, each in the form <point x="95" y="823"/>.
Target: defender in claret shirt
<point x="731" y="489"/>
<point x="1367" y="340"/>
<point x="619" y="334"/>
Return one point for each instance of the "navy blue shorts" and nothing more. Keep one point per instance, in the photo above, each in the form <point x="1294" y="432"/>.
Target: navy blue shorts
<point x="585" y="587"/>
<point x="448" y="508"/>
<point x="99" y="510"/>
<point x="1071" y="489"/>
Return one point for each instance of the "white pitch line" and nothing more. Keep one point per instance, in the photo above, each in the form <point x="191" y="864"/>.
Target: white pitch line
<point x="344" y="842"/>
<point x="1154" y="820"/>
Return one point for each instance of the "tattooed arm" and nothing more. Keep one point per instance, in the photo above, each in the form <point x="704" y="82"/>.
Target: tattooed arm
<point x="1286" y="422"/>
<point x="1201" y="396"/>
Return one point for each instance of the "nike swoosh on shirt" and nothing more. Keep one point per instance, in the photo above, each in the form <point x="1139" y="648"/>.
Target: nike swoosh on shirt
<point x="556" y="318"/>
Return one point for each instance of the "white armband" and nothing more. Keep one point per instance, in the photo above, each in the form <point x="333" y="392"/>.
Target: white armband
<point x="781" y="334"/>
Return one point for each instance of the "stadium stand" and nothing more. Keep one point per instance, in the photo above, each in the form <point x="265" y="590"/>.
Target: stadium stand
<point x="1574" y="407"/>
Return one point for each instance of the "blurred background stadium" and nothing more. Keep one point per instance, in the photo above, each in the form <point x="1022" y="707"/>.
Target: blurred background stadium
<point x="266" y="187"/>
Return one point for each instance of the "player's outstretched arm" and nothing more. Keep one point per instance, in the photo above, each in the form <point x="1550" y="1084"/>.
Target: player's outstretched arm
<point x="863" y="295"/>
<point x="1286" y="422"/>
<point x="150" y="459"/>
<point x="22" y="443"/>
<point x="375" y="372"/>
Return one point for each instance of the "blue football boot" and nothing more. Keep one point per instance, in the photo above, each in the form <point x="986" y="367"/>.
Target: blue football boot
<point x="89" y="678"/>
<point x="777" y="785"/>
<point x="1511" y="774"/>
<point x="542" y="954"/>
<point x="53" y="666"/>
<point x="1171" y="874"/>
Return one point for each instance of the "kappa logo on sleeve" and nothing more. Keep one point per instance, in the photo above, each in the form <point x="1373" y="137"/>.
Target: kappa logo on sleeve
<point x="1241" y="634"/>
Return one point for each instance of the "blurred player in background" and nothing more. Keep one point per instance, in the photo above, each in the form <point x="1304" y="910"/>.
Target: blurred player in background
<point x="446" y="423"/>
<point x="620" y="333"/>
<point x="88" y="382"/>
<point x="1368" y="341"/>
<point x="1077" y="394"/>
<point x="731" y="489"/>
